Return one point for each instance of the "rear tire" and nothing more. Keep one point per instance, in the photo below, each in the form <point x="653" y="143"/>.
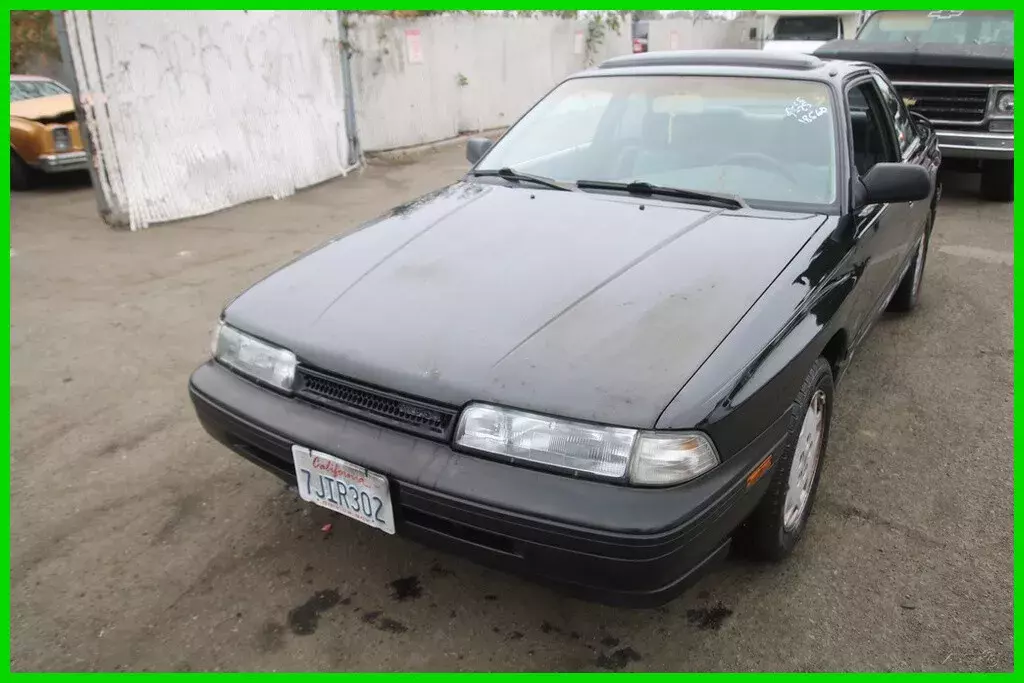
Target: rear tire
<point x="21" y="173"/>
<point x="906" y="296"/>
<point x="773" y="529"/>
<point x="997" y="181"/>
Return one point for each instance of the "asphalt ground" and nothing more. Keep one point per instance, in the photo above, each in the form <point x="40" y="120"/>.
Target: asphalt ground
<point x="138" y="543"/>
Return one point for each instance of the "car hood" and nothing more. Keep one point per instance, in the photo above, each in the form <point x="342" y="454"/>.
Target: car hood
<point x="924" y="55"/>
<point x="590" y="306"/>
<point x="43" y="107"/>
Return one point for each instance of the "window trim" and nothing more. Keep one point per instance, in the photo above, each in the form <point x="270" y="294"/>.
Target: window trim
<point x="855" y="82"/>
<point x="913" y="144"/>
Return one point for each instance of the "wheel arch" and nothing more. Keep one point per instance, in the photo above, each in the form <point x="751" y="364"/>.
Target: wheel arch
<point x="836" y="352"/>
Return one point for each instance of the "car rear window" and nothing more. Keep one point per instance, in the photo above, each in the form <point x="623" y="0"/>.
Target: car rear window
<point x="28" y="90"/>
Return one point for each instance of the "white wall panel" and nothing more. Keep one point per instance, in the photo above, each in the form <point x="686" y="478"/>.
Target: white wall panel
<point x="192" y="112"/>
<point x="476" y="72"/>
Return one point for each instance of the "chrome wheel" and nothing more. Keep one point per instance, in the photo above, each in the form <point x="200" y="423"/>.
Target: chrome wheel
<point x="806" y="457"/>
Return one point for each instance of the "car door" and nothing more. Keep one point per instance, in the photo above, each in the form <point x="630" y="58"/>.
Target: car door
<point x="879" y="229"/>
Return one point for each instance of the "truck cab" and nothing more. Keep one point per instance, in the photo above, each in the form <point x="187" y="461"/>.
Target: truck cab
<point x="954" y="68"/>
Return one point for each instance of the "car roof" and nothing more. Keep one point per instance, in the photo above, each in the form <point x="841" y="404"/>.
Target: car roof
<point x="730" y="63"/>
<point x="26" y="77"/>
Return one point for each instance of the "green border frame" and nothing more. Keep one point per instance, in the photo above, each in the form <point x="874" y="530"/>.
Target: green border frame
<point x="5" y="481"/>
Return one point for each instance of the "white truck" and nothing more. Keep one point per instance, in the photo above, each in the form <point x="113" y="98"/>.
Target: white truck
<point x="805" y="30"/>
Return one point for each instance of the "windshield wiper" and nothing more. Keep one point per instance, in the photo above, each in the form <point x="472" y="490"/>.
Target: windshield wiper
<point x="515" y="177"/>
<point x="639" y="187"/>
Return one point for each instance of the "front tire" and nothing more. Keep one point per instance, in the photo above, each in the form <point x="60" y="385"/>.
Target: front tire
<point x="905" y="298"/>
<point x="997" y="181"/>
<point x="773" y="529"/>
<point x="21" y="173"/>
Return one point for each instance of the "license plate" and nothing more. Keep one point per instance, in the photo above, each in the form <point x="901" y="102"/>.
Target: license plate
<point x="348" y="489"/>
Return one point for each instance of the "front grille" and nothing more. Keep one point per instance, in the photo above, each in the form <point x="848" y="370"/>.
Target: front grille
<point x="964" y="104"/>
<point x="376" y="405"/>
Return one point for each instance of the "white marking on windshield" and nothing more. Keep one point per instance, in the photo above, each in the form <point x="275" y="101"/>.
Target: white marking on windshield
<point x="803" y="111"/>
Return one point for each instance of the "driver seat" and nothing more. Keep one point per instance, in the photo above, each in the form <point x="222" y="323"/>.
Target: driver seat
<point x="653" y="153"/>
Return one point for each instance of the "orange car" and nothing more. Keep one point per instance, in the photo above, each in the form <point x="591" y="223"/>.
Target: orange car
<point x="44" y="130"/>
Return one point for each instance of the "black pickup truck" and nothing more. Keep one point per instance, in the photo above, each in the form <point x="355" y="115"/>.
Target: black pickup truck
<point x="955" y="68"/>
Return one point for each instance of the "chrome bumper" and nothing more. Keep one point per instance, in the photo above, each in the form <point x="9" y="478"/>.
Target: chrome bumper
<point x="64" y="161"/>
<point x="957" y="144"/>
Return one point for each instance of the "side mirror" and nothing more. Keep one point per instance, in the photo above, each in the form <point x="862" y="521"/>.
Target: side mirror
<point x="920" y="119"/>
<point x="476" y="148"/>
<point x="890" y="183"/>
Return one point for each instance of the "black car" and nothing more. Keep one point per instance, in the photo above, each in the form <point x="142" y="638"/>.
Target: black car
<point x="612" y="347"/>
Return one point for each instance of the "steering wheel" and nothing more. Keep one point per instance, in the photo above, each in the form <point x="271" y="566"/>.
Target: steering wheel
<point x="626" y="157"/>
<point x="760" y="161"/>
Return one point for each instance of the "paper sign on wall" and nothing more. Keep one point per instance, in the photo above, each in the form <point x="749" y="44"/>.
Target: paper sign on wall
<point x="673" y="40"/>
<point x="413" y="46"/>
<point x="577" y="44"/>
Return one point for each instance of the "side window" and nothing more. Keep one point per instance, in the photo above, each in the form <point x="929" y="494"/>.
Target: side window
<point x="872" y="142"/>
<point x="901" y="120"/>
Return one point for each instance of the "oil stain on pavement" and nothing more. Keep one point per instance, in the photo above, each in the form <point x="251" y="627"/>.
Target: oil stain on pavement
<point x="303" y="619"/>
<point x="407" y="588"/>
<point x="618" y="660"/>
<point x="384" y="623"/>
<point x="709" y="618"/>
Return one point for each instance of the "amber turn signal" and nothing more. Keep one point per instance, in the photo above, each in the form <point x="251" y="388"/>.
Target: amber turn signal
<point x="761" y="468"/>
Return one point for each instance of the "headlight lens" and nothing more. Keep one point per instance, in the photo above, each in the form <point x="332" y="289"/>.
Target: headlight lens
<point x="576" y="446"/>
<point x="1004" y="103"/>
<point x="648" y="458"/>
<point x="252" y="357"/>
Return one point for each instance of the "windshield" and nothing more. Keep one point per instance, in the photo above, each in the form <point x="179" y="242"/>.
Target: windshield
<point x="28" y="90"/>
<point x="943" y="26"/>
<point x="806" y="28"/>
<point x="767" y="140"/>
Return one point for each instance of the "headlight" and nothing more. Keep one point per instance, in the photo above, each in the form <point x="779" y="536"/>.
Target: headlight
<point x="252" y="357"/>
<point x="646" y="458"/>
<point x="1004" y="104"/>
<point x="61" y="139"/>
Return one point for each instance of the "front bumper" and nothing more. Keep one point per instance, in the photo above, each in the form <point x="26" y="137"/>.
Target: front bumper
<point x="604" y="542"/>
<point x="62" y="162"/>
<point x="958" y="144"/>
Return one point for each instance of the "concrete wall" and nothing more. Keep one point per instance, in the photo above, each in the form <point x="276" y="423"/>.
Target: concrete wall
<point x="428" y="79"/>
<point x="191" y="112"/>
<point x="700" y="34"/>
